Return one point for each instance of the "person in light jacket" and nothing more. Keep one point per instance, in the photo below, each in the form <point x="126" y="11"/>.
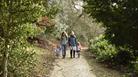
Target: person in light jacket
<point x="63" y="42"/>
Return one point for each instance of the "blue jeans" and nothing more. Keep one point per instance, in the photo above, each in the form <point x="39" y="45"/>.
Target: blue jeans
<point x="63" y="50"/>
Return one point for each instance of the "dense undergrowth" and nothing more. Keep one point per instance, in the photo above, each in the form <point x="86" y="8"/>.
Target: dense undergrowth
<point x="113" y="55"/>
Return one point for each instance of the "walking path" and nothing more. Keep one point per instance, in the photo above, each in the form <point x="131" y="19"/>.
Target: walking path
<point x="76" y="67"/>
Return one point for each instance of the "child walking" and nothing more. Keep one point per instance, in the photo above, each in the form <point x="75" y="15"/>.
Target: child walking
<point x="57" y="51"/>
<point x="78" y="49"/>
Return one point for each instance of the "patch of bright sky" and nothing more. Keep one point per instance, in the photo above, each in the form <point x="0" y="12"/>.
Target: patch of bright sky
<point x="114" y="4"/>
<point x="78" y="5"/>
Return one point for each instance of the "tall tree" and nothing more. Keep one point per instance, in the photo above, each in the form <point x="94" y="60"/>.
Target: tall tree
<point x="15" y="15"/>
<point x="120" y="17"/>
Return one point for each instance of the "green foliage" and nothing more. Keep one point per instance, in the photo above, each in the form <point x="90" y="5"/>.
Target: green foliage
<point x="21" y="57"/>
<point x="21" y="62"/>
<point x="103" y="49"/>
<point x="136" y="66"/>
<point x="51" y="7"/>
<point x="16" y="25"/>
<point x="124" y="56"/>
<point x="120" y="17"/>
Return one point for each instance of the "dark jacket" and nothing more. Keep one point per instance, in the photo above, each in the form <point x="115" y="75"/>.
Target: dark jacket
<point x="72" y="40"/>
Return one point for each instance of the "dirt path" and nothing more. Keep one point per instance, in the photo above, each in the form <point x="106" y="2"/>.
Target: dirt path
<point x="76" y="67"/>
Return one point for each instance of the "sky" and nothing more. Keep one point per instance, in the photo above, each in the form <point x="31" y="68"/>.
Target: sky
<point x="79" y="5"/>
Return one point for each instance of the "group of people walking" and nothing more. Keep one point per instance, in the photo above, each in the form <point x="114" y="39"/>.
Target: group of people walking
<point x="70" y="41"/>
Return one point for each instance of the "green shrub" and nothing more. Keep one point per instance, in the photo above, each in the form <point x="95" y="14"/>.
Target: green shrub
<point x="136" y="67"/>
<point x="106" y="51"/>
<point x="22" y="58"/>
<point x="102" y="48"/>
<point x="124" y="56"/>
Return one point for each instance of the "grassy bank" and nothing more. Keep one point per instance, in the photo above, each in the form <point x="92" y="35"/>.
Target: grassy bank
<point x="44" y="65"/>
<point x="100" y="69"/>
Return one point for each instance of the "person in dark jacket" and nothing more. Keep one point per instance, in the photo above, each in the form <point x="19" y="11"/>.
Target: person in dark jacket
<point x="72" y="43"/>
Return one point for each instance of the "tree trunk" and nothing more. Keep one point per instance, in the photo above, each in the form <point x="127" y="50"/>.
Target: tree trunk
<point x="6" y="34"/>
<point x="5" y="63"/>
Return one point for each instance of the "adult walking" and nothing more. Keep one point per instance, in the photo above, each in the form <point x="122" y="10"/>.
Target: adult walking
<point x="64" y="41"/>
<point x="72" y="43"/>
